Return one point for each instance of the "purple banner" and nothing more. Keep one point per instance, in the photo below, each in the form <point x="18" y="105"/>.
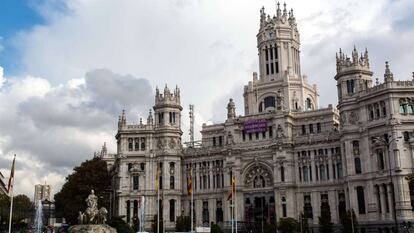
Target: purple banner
<point x="253" y="126"/>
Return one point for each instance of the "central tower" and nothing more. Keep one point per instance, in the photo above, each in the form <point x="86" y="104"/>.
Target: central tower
<point x="279" y="86"/>
<point x="278" y="44"/>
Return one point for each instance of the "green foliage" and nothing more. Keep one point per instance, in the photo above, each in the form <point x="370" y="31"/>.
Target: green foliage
<point x="215" y="228"/>
<point x="154" y="224"/>
<point x="120" y="225"/>
<point x="91" y="174"/>
<point x="305" y="224"/>
<point x="23" y="208"/>
<point x="325" y="224"/>
<point x="183" y="224"/>
<point x="288" y="225"/>
<point x="347" y="222"/>
<point x="269" y="228"/>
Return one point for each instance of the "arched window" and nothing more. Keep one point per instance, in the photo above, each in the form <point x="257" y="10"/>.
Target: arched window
<point x="136" y="144"/>
<point x="309" y="104"/>
<point x="269" y="101"/>
<point x="381" y="161"/>
<point x="142" y="144"/>
<point x="130" y="144"/>
<point x="322" y="172"/>
<point x="358" y="169"/>
<point x="305" y="174"/>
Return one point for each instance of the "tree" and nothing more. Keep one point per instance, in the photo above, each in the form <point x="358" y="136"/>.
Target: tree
<point x="91" y="174"/>
<point x="183" y="224"/>
<point x="288" y="225"/>
<point x="347" y="222"/>
<point x="215" y="228"/>
<point x="120" y="225"/>
<point x="325" y="224"/>
<point x="23" y="209"/>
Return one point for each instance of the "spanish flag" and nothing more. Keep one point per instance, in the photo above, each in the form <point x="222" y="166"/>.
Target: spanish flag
<point x="157" y="178"/>
<point x="190" y="182"/>
<point x="11" y="178"/>
<point x="232" y="191"/>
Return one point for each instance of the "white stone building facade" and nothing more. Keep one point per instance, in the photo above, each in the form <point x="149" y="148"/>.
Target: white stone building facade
<point x="287" y="153"/>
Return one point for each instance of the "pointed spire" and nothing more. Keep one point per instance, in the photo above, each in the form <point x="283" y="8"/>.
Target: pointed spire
<point x="278" y="11"/>
<point x="388" y="76"/>
<point x="284" y="10"/>
<point x="366" y="59"/>
<point x="355" y="56"/>
<point x="150" y="119"/>
<point x="140" y="120"/>
<point x="262" y="16"/>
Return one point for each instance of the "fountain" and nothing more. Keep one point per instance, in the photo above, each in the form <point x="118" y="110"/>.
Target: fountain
<point x="93" y="219"/>
<point x="38" y="221"/>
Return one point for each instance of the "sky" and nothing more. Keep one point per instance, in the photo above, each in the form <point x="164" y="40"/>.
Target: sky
<point x="68" y="68"/>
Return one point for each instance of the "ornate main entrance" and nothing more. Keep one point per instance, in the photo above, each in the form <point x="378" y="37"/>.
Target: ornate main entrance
<point x="259" y="201"/>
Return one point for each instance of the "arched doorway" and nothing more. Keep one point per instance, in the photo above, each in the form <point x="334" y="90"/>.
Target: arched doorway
<point x="259" y="201"/>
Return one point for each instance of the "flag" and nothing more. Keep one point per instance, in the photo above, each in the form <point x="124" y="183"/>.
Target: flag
<point x="157" y="177"/>
<point x="190" y="182"/>
<point x="11" y="178"/>
<point x="232" y="191"/>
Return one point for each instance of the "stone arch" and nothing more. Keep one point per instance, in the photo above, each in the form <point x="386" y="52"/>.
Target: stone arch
<point x="258" y="175"/>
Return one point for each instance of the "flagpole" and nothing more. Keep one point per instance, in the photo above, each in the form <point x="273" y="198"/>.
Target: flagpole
<point x="158" y="199"/>
<point x="11" y="211"/>
<point x="192" y="198"/>
<point x="11" y="184"/>
<point x="235" y="201"/>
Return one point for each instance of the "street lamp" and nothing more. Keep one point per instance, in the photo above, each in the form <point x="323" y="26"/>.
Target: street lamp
<point x="386" y="141"/>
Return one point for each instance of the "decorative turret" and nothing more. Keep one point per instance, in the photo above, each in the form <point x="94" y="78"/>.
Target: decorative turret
<point x="344" y="63"/>
<point x="122" y="120"/>
<point x="278" y="44"/>
<point x="388" y="76"/>
<point x="167" y="97"/>
<point x="167" y="108"/>
<point x="352" y="74"/>
<point x="231" y="109"/>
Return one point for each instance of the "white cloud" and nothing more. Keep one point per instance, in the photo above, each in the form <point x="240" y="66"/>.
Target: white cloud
<point x="206" y="47"/>
<point x="52" y="128"/>
<point x="2" y="80"/>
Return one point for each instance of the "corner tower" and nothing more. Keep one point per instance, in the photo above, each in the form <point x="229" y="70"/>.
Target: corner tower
<point x="278" y="44"/>
<point x="353" y="75"/>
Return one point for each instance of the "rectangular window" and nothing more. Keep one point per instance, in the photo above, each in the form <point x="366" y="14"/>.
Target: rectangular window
<point x="250" y="136"/>
<point x="214" y="141"/>
<point x="361" y="199"/>
<point x="303" y="129"/>
<point x="264" y="135"/>
<point x="277" y="67"/>
<point x="284" y="210"/>
<point x="257" y="135"/>
<point x="171" y="118"/>
<point x="172" y="182"/>
<point x="310" y="173"/>
<point x="282" y="173"/>
<point x="270" y="131"/>
<point x="267" y="69"/>
<point x="244" y="135"/>
<point x="135" y="182"/>
<point x="318" y="127"/>
<point x="311" y="128"/>
<point x="220" y="140"/>
<point x="172" y="210"/>
<point x="272" y="69"/>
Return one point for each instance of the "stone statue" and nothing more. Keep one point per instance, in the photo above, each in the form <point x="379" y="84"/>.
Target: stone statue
<point x="92" y="220"/>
